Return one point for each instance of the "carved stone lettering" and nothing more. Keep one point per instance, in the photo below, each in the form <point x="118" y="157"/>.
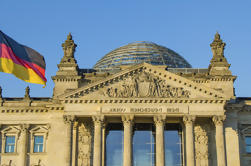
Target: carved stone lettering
<point x="146" y="85"/>
<point x="144" y="110"/>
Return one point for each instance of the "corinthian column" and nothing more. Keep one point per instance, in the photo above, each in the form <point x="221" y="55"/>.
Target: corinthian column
<point x="219" y="138"/>
<point x="188" y="121"/>
<point x="160" y="153"/>
<point x="97" y="120"/>
<point x="127" y="122"/>
<point x="23" y="144"/>
<point x="68" y="120"/>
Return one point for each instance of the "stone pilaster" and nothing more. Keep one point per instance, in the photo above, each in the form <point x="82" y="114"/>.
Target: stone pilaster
<point x="23" y="144"/>
<point x="74" y="142"/>
<point x="68" y="120"/>
<point x="127" y="155"/>
<point x="189" y="123"/>
<point x="97" y="158"/>
<point x="159" y="121"/>
<point x="232" y="136"/>
<point x="219" y="136"/>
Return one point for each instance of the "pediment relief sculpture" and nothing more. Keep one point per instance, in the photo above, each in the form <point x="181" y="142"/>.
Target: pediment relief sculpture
<point x="144" y="81"/>
<point x="145" y="85"/>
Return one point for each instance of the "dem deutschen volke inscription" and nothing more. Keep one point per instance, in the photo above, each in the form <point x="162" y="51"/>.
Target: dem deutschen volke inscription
<point x="144" y="110"/>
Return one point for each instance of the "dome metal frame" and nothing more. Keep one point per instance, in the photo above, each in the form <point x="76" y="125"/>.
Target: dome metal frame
<point x="140" y="52"/>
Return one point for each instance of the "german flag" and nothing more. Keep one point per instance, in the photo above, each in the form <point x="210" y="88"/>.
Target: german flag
<point x="21" y="61"/>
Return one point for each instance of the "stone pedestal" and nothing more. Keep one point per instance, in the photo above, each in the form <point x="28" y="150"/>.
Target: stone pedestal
<point x="128" y="123"/>
<point x="189" y="123"/>
<point x="160" y="152"/>
<point x="219" y="137"/>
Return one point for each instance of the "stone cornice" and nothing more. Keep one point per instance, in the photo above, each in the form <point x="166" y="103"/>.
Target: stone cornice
<point x="204" y="77"/>
<point x="31" y="109"/>
<point x="144" y="100"/>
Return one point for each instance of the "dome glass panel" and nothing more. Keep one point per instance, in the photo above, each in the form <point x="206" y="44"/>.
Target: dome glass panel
<point x="139" y="52"/>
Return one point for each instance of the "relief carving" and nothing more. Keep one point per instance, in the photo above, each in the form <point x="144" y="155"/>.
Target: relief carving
<point x="201" y="145"/>
<point x="146" y="85"/>
<point x="84" y="144"/>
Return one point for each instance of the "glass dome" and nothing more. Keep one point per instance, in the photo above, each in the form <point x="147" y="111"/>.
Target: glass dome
<point x="139" y="52"/>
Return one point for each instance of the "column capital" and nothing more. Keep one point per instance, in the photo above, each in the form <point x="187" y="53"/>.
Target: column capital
<point x="98" y="119"/>
<point x="218" y="120"/>
<point x="159" y="119"/>
<point x="24" y="127"/>
<point x="75" y="125"/>
<point x="189" y="119"/>
<point x="68" y="119"/>
<point x="127" y="119"/>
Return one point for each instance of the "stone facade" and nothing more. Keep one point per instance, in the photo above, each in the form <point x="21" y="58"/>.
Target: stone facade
<point x="215" y="123"/>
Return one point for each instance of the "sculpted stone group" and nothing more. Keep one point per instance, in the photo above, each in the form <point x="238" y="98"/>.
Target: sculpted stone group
<point x="146" y="85"/>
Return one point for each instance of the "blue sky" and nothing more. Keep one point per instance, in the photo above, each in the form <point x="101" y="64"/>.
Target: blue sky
<point x="187" y="27"/>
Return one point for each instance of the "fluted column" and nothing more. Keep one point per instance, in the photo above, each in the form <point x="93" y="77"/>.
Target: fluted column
<point x="189" y="121"/>
<point x="127" y="155"/>
<point x="219" y="138"/>
<point x="68" y="120"/>
<point x="160" y="152"/>
<point x="97" y="120"/>
<point x="23" y="144"/>
<point x="74" y="142"/>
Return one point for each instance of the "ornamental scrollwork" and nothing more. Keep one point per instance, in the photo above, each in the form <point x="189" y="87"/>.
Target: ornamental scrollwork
<point x="218" y="120"/>
<point x="159" y="120"/>
<point x="146" y="85"/>
<point x="201" y="145"/>
<point x="68" y="119"/>
<point x="188" y="119"/>
<point x="84" y="144"/>
<point x="127" y="119"/>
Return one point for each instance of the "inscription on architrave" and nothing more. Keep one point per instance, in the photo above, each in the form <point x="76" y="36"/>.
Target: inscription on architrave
<point x="146" y="85"/>
<point x="84" y="144"/>
<point x="144" y="110"/>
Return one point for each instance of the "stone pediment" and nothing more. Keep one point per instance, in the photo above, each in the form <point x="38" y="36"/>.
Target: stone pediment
<point x="144" y="81"/>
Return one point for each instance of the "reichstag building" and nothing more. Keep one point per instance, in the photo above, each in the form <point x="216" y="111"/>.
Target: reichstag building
<point x="140" y="105"/>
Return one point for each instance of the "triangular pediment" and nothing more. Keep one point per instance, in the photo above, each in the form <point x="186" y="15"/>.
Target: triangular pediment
<point x="144" y="81"/>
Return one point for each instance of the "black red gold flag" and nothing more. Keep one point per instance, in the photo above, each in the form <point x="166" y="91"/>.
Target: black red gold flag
<point x="21" y="61"/>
